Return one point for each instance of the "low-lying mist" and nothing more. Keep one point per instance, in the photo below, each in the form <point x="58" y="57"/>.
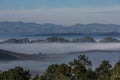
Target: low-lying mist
<point x="58" y="48"/>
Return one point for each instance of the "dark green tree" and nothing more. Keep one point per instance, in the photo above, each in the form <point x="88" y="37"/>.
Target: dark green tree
<point x="104" y="71"/>
<point x="116" y="72"/>
<point x="36" y="78"/>
<point x="81" y="69"/>
<point x="82" y="60"/>
<point x="15" y="74"/>
<point x="57" y="72"/>
<point x="90" y="75"/>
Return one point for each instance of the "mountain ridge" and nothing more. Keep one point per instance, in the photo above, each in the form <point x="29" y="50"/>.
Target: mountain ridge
<point x="9" y="55"/>
<point x="48" y="28"/>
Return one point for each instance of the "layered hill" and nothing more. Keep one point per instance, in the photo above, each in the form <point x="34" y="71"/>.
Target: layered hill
<point x="6" y="55"/>
<point x="33" y="28"/>
<point x="9" y="55"/>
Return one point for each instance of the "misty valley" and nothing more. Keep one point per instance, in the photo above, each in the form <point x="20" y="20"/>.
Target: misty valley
<point x="38" y="56"/>
<point x="59" y="39"/>
<point x="40" y="52"/>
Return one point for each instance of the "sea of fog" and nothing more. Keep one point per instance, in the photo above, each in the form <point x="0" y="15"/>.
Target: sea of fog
<point x="58" y="48"/>
<point x="61" y="53"/>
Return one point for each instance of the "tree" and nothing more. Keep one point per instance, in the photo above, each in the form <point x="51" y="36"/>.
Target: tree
<point x="81" y="69"/>
<point x="57" y="72"/>
<point x="15" y="74"/>
<point x="82" y="60"/>
<point x="36" y="78"/>
<point x="90" y="75"/>
<point x="116" y="72"/>
<point x="104" y="71"/>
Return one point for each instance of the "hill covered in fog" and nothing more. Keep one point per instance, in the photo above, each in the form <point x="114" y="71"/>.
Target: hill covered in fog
<point x="9" y="55"/>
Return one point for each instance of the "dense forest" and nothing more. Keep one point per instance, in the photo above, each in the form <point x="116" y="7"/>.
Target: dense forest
<point x="78" y="69"/>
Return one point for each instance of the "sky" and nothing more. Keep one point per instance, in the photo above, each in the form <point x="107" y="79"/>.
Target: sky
<point x="65" y="12"/>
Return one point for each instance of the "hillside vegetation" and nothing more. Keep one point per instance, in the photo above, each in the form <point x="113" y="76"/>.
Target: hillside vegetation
<point x="78" y="69"/>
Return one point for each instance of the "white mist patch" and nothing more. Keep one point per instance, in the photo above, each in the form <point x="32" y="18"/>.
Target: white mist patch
<point x="57" y="48"/>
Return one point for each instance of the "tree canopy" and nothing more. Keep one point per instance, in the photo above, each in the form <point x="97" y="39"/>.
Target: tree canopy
<point x="78" y="69"/>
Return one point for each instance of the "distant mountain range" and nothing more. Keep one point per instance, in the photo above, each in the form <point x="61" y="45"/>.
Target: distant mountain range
<point x="33" y="28"/>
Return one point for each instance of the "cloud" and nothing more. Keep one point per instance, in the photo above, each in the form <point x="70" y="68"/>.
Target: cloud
<point x="66" y="16"/>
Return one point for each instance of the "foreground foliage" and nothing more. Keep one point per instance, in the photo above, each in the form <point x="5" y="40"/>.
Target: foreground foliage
<point x="15" y="74"/>
<point x="78" y="69"/>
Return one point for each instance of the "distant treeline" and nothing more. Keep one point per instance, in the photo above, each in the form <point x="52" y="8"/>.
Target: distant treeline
<point x="60" y="40"/>
<point x="78" y="69"/>
<point x="113" y="34"/>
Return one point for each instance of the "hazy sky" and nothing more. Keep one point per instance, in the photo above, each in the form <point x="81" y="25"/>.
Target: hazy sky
<point x="65" y="12"/>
